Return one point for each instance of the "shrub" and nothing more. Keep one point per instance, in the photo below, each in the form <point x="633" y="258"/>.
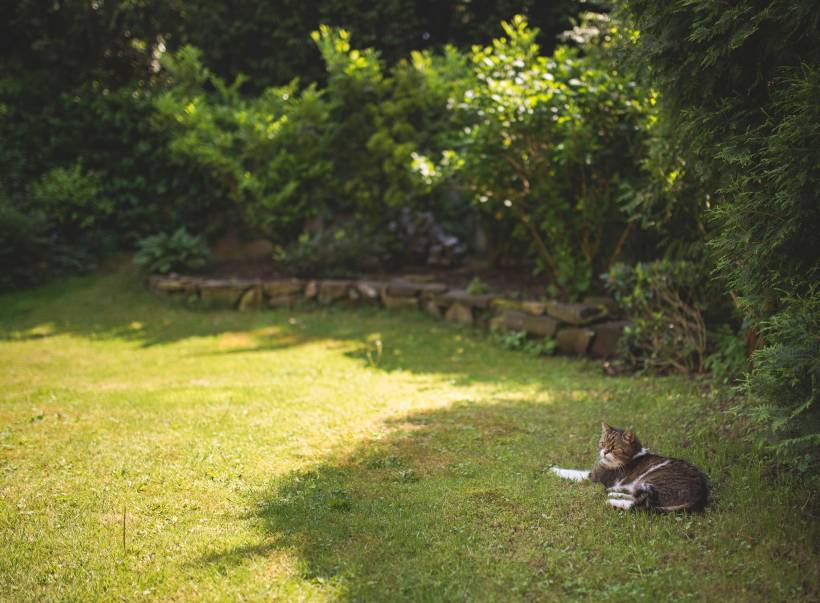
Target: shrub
<point x="162" y="253"/>
<point x="739" y="83"/>
<point x="342" y="251"/>
<point x="72" y="200"/>
<point x="267" y="151"/>
<point x="29" y="253"/>
<point x="519" y="341"/>
<point x="477" y="287"/>
<point x="51" y="227"/>
<point x="728" y="361"/>
<point x="25" y="251"/>
<point x="785" y="379"/>
<point x="662" y="300"/>
<point x="116" y="135"/>
<point x="291" y="154"/>
<point x="550" y="142"/>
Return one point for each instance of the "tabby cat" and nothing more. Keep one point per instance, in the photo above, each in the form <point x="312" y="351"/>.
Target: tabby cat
<point x="634" y="477"/>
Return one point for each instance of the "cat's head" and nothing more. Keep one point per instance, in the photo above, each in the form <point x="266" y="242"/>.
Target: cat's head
<point x="617" y="446"/>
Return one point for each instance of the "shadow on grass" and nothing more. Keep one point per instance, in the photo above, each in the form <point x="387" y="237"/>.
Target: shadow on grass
<point x="111" y="306"/>
<point x="452" y="504"/>
<point x="459" y="504"/>
<point x="118" y="306"/>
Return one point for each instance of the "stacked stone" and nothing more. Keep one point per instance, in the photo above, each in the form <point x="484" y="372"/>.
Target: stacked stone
<point x="591" y="328"/>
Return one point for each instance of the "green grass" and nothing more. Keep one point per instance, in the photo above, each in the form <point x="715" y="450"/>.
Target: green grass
<point x="280" y="455"/>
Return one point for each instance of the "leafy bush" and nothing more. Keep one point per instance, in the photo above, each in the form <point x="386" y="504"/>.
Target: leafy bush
<point x="728" y="361"/>
<point x="72" y="200"/>
<point x="118" y="138"/>
<point x="51" y="228"/>
<point x="785" y="380"/>
<point x="29" y="253"/>
<point x="341" y="251"/>
<point x="550" y="141"/>
<point x="162" y="253"/>
<point x="292" y="154"/>
<point x="663" y="302"/>
<point x="266" y="150"/>
<point x="25" y="251"/>
<point x="477" y="287"/>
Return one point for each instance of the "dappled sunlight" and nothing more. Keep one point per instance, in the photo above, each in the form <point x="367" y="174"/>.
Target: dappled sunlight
<point x="36" y="332"/>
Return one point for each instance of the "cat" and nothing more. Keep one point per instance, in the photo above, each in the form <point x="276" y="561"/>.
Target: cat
<point x="635" y="478"/>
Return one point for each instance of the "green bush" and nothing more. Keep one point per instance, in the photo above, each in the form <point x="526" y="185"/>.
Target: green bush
<point x="785" y="379"/>
<point x="30" y="253"/>
<point x="73" y="201"/>
<point x="728" y="361"/>
<point x="78" y="80"/>
<point x="266" y="151"/>
<point x="477" y="287"/>
<point x="163" y="253"/>
<point x="270" y="41"/>
<point x="663" y="300"/>
<point x="550" y="143"/>
<point x="345" y="250"/>
<point x="520" y="341"/>
<point x="117" y="136"/>
<point x="132" y="188"/>
<point x="25" y="248"/>
<point x="51" y="227"/>
<point x="292" y="154"/>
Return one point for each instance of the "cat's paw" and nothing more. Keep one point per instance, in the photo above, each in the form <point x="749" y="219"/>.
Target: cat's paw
<point x="570" y="474"/>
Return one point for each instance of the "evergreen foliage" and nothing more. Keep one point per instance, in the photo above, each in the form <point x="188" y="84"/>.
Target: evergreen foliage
<point x="741" y="83"/>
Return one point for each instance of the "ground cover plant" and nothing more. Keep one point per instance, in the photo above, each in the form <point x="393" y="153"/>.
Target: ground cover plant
<point x="149" y="451"/>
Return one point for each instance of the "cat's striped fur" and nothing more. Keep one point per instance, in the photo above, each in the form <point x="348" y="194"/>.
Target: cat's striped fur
<point x="634" y="477"/>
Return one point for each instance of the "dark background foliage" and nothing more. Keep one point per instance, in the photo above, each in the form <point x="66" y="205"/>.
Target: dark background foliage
<point x="76" y="79"/>
<point x="740" y="82"/>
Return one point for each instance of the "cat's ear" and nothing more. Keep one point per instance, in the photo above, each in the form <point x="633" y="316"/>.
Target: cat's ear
<point x="605" y="427"/>
<point x="629" y="435"/>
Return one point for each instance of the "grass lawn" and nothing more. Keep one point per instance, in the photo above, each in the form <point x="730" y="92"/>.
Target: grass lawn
<point x="277" y="455"/>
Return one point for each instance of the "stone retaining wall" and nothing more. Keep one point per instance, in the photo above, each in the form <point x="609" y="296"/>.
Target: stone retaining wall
<point x="592" y="328"/>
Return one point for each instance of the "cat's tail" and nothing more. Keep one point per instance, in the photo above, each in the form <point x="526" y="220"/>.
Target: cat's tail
<point x="673" y="508"/>
<point x="696" y="507"/>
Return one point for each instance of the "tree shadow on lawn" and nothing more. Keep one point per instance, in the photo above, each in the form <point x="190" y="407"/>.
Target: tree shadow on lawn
<point x="417" y="514"/>
<point x="112" y="306"/>
<point x="458" y="504"/>
<point x="405" y="341"/>
<point x="117" y="306"/>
